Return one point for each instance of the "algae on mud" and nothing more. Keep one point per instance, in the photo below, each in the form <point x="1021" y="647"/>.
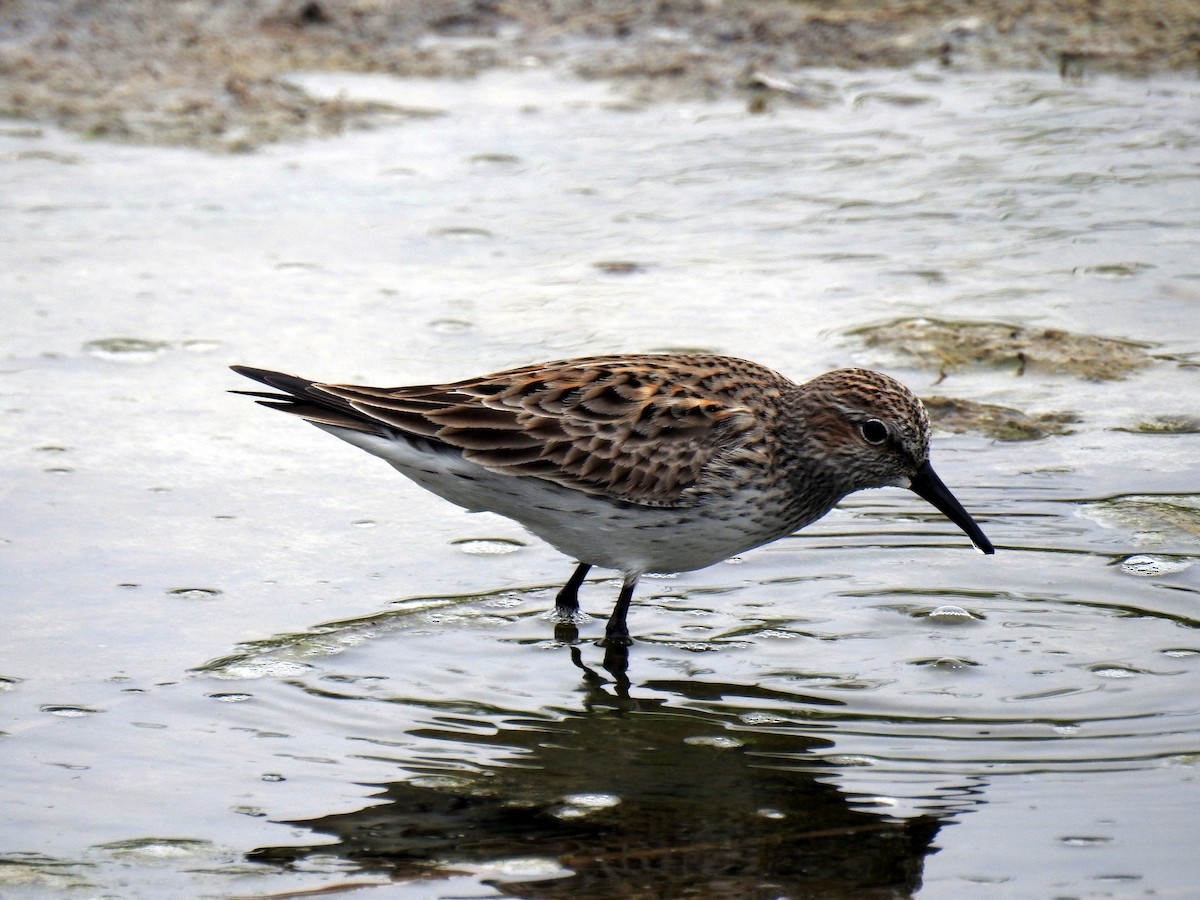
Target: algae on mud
<point x="1165" y="424"/>
<point x="1152" y="520"/>
<point x="943" y="346"/>
<point x="999" y="422"/>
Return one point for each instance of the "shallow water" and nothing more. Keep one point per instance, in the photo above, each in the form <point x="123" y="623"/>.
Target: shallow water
<point x="241" y="658"/>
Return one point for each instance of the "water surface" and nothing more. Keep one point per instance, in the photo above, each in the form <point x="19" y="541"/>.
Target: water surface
<point x="241" y="658"/>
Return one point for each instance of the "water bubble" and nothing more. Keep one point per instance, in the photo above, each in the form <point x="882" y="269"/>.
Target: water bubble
<point x="440" y="782"/>
<point x="126" y="349"/>
<point x="768" y="813"/>
<point x="1148" y="566"/>
<point x="190" y="593"/>
<point x="507" y="602"/>
<point x="761" y="718"/>
<point x="487" y="546"/>
<point x="948" y="663"/>
<point x="157" y="848"/>
<point x="451" y="326"/>
<point x="950" y="615"/>
<point x="462" y="234"/>
<point x="1084" y="841"/>
<point x="618" y="266"/>
<point x="592" y="800"/>
<point x="267" y="668"/>
<point x="231" y="698"/>
<point x="697" y="647"/>
<point x="777" y="634"/>
<point x="499" y="160"/>
<point x="200" y="346"/>
<point x="1109" y="671"/>
<point x="850" y="759"/>
<point x="570" y="812"/>
<point x="272" y="777"/>
<point x="523" y="868"/>
<point x="1181" y="652"/>
<point x="69" y="712"/>
<point x="720" y="741"/>
<point x="1118" y="270"/>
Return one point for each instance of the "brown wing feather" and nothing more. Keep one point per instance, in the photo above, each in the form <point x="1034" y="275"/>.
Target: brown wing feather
<point x="640" y="429"/>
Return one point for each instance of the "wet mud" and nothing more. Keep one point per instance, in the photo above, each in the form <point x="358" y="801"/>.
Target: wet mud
<point x="213" y="74"/>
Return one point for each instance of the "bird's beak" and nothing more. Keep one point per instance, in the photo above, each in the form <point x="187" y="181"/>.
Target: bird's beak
<point x="928" y="486"/>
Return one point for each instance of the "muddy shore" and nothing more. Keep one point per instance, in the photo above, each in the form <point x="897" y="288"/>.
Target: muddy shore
<point x="212" y="73"/>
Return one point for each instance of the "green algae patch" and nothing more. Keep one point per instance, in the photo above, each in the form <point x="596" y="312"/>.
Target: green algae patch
<point x="1000" y="423"/>
<point x="945" y="346"/>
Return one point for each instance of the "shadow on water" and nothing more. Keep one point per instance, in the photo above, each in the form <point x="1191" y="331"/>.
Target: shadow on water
<point x="629" y="798"/>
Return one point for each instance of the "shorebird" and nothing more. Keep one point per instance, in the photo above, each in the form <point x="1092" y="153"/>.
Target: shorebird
<point x="639" y="463"/>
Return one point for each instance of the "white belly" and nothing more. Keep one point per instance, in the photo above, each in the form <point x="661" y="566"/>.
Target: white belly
<point x="590" y="529"/>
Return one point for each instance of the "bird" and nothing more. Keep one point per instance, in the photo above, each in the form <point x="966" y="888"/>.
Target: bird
<point x="640" y="463"/>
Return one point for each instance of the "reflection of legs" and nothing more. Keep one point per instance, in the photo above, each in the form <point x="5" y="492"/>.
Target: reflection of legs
<point x="566" y="604"/>
<point x="616" y="633"/>
<point x="616" y="662"/>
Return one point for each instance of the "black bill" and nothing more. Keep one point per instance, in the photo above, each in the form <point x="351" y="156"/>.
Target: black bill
<point x="928" y="486"/>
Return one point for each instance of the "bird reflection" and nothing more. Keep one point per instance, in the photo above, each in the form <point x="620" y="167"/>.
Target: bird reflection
<point x="663" y="796"/>
<point x="616" y="663"/>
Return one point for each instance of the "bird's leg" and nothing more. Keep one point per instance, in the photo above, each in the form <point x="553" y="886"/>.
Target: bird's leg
<point x="566" y="604"/>
<point x="616" y="632"/>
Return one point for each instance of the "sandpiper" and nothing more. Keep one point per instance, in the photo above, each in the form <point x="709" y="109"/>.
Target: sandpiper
<point x="639" y="463"/>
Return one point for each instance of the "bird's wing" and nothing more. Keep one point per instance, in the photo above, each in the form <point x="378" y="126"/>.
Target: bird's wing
<point x="640" y="430"/>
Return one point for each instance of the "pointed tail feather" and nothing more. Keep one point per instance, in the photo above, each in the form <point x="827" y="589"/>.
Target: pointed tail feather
<point x="304" y="398"/>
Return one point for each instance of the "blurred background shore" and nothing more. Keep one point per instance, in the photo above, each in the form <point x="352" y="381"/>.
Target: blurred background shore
<point x="211" y="73"/>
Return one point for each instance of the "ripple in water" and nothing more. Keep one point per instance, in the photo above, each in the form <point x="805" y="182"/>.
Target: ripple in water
<point x="126" y="349"/>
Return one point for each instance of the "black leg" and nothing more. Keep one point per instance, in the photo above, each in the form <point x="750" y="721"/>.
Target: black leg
<point x="616" y="633"/>
<point x="566" y="604"/>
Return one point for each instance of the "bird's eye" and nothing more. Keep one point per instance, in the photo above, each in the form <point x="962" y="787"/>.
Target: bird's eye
<point x="873" y="431"/>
